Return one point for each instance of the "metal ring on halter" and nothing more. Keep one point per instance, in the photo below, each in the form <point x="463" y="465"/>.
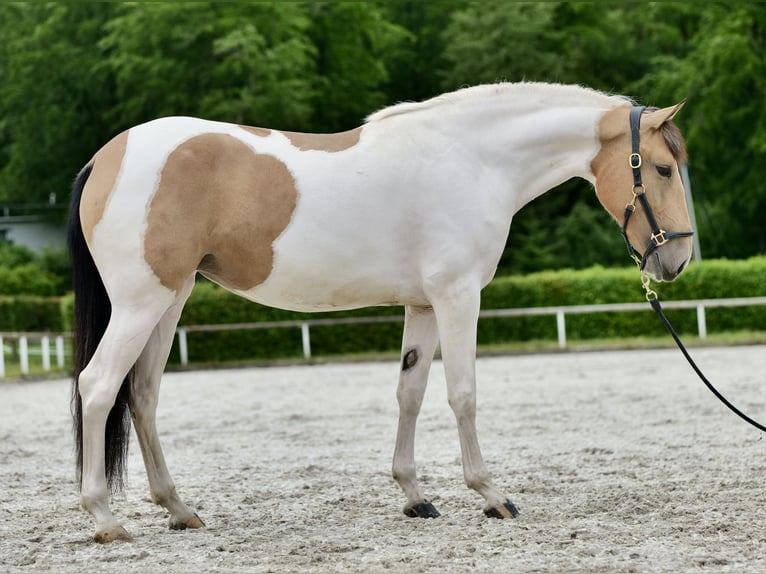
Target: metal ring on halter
<point x="646" y="283"/>
<point x="660" y="238"/>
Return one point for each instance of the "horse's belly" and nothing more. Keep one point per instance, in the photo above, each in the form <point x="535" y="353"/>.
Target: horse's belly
<point x="331" y="292"/>
<point x="309" y="295"/>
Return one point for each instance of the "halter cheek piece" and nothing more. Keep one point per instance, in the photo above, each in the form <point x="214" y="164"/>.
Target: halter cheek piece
<point x="659" y="236"/>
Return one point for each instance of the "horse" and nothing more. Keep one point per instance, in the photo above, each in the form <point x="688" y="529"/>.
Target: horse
<point x="412" y="208"/>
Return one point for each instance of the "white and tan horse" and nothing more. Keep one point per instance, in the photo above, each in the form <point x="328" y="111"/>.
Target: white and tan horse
<point x="413" y="208"/>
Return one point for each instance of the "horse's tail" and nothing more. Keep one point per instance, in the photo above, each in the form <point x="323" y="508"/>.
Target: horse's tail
<point x="92" y="310"/>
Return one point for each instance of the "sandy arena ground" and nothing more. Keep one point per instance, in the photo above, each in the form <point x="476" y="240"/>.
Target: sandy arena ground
<point x="618" y="461"/>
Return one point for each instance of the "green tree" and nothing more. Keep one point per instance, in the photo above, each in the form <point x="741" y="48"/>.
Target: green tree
<point x="489" y="42"/>
<point x="723" y="75"/>
<point x="417" y="64"/>
<point x="247" y="63"/>
<point x="355" y="42"/>
<point x="52" y="96"/>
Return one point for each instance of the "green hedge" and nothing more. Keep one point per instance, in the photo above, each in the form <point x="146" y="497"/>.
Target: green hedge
<point x="28" y="279"/>
<point x="707" y="280"/>
<point x="31" y="313"/>
<point x="210" y="304"/>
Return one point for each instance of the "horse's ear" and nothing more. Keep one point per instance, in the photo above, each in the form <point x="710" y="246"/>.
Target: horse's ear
<point x="656" y="118"/>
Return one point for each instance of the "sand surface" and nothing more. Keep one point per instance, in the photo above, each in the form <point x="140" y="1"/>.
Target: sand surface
<point x="618" y="461"/>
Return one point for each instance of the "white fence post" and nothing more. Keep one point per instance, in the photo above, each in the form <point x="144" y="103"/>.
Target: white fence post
<point x="182" y="346"/>
<point x="701" y="323"/>
<point x="306" y="340"/>
<point x="45" y="351"/>
<point x="24" y="355"/>
<point x="60" y="351"/>
<point x="561" y="328"/>
<point x="2" y="358"/>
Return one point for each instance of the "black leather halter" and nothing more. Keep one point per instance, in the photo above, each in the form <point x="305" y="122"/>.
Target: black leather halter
<point x="659" y="236"/>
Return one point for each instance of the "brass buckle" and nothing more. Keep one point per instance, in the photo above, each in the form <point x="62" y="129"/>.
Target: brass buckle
<point x="646" y="283"/>
<point x="659" y="238"/>
<point x="635" y="160"/>
<point x="641" y="190"/>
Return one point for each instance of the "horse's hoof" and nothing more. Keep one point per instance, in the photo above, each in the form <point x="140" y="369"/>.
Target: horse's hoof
<point x="422" y="510"/>
<point x="505" y="510"/>
<point x="115" y="533"/>
<point x="193" y="521"/>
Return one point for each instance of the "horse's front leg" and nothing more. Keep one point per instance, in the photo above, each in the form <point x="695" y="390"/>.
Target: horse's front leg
<point x="457" y="314"/>
<point x="418" y="347"/>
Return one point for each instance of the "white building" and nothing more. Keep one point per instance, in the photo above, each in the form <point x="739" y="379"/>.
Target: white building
<point x="32" y="231"/>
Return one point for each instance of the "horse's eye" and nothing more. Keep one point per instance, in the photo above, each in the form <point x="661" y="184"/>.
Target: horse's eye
<point x="664" y="170"/>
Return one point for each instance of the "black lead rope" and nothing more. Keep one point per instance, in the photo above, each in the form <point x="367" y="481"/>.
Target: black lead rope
<point x="655" y="303"/>
<point x="660" y="237"/>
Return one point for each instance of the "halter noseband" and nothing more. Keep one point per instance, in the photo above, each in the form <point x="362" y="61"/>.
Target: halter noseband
<point x="659" y="236"/>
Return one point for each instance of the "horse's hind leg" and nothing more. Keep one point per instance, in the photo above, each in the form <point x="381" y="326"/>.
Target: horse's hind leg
<point x="457" y="313"/>
<point x="418" y="347"/>
<point x="144" y="398"/>
<point x="99" y="383"/>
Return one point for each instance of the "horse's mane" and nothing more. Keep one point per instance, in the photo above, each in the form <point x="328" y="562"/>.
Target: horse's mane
<point x="566" y="95"/>
<point x="550" y="94"/>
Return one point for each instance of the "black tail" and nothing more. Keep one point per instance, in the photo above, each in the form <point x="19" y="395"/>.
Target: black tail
<point x="92" y="310"/>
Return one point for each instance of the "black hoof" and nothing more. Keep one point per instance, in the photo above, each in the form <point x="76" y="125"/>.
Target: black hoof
<point x="422" y="510"/>
<point x="507" y="510"/>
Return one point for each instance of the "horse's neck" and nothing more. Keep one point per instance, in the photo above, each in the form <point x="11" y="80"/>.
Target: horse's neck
<point x="557" y="145"/>
<point x="533" y="149"/>
<point x="528" y="143"/>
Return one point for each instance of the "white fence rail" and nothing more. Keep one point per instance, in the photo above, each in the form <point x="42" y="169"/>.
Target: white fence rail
<point x="560" y="312"/>
<point x="51" y="345"/>
<point x="34" y="344"/>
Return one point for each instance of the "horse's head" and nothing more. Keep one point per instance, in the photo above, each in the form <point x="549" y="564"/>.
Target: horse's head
<point x="638" y="181"/>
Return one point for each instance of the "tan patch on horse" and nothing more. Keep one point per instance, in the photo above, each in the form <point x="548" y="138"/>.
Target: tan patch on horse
<point x="325" y="142"/>
<point x="218" y="209"/>
<point x="100" y="184"/>
<point x="317" y="142"/>
<point x="614" y="135"/>
<point x="260" y="132"/>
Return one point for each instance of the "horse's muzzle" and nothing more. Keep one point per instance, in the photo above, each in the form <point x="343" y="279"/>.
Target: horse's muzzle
<point x="668" y="261"/>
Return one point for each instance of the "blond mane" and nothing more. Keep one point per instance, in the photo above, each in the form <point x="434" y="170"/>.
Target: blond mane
<point x="565" y="95"/>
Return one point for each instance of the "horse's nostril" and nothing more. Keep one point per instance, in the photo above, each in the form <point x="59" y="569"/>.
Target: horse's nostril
<point x="681" y="268"/>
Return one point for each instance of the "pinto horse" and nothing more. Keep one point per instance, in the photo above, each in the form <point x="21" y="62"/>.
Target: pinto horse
<point x="413" y="208"/>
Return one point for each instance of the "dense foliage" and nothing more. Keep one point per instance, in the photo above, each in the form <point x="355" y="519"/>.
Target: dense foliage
<point x="25" y="272"/>
<point x="74" y="74"/>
